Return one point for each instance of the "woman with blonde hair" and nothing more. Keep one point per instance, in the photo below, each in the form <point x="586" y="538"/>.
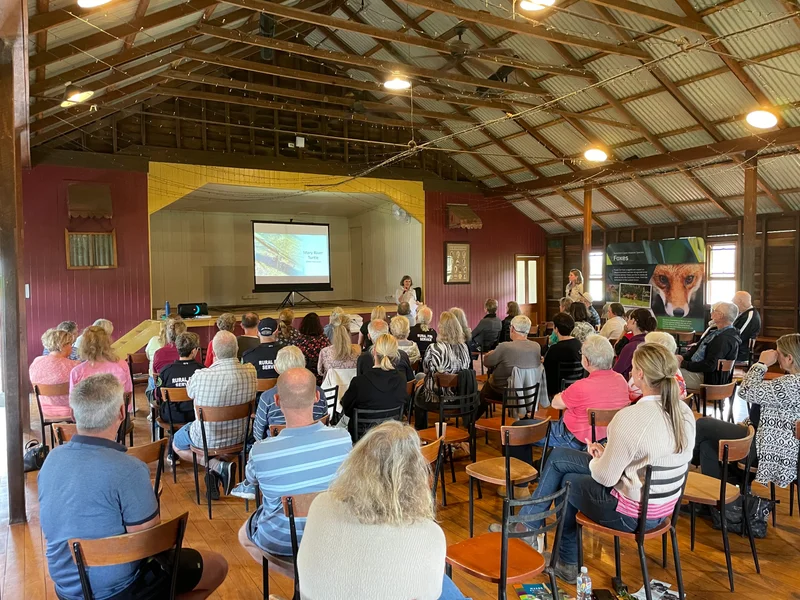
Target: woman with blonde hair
<point x="381" y="387"/>
<point x="54" y="369"/>
<point x="379" y="515"/>
<point x="287" y="335"/>
<point x="574" y="289"/>
<point x="343" y="353"/>
<point x="461" y="317"/>
<point x="225" y="322"/>
<point x="98" y="357"/>
<point x="333" y="320"/>
<point x="169" y="353"/>
<point x="400" y="329"/>
<point x="422" y="334"/>
<point x="379" y="312"/>
<point x="606" y="482"/>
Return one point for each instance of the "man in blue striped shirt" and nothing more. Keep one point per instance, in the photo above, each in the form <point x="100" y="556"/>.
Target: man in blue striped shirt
<point x="302" y="459"/>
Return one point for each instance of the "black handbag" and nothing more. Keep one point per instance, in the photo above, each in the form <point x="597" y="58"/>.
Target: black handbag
<point x="758" y="509"/>
<point x="34" y="456"/>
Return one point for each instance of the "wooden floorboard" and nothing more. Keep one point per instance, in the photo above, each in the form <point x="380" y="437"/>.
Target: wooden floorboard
<point x="23" y="572"/>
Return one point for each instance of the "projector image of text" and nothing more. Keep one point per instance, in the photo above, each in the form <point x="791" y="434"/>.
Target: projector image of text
<point x="291" y="254"/>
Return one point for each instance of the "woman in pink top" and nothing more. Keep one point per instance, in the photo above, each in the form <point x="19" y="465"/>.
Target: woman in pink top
<point x="54" y="369"/>
<point x="99" y="357"/>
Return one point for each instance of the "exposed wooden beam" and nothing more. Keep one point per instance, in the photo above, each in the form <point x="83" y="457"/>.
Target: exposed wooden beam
<point x="587" y="228"/>
<point x="42" y="7"/>
<point x="537" y="202"/>
<point x="141" y="11"/>
<point x="46" y="20"/>
<point x="688" y="22"/>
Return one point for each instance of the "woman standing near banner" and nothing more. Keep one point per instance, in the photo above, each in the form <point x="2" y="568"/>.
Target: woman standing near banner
<point x="574" y="289"/>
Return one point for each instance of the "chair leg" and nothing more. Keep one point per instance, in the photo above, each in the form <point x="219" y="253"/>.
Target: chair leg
<point x="664" y="551"/>
<point x="452" y="464"/>
<point x="208" y="489"/>
<point x="196" y="480"/>
<point x="677" y="558"/>
<point x="791" y="498"/>
<point x="752" y="541"/>
<point x="448" y="570"/>
<point x="53" y="439"/>
<point x="579" y="532"/>
<point x="775" y="505"/>
<point x="265" y="577"/>
<point x="471" y="506"/>
<point x="726" y="544"/>
<point x="444" y="491"/>
<point x="692" y="520"/>
<point x="617" y="559"/>
<point x="643" y="560"/>
<point x="44" y="437"/>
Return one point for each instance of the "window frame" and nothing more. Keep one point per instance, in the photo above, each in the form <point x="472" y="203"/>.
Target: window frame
<point x="71" y="267"/>
<point x="527" y="259"/>
<point x="712" y="278"/>
<point x="601" y="277"/>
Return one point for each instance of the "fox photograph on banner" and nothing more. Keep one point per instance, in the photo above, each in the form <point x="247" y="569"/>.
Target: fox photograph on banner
<point x="665" y="276"/>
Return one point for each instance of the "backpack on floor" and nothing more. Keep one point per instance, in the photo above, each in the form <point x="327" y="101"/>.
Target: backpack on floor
<point x="34" y="456"/>
<point x="758" y="510"/>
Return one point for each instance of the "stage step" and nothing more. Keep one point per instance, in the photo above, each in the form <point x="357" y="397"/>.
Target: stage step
<point x="136" y="338"/>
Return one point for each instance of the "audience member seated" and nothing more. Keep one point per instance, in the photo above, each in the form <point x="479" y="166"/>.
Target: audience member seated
<point x="614" y="326"/>
<point x="98" y="357"/>
<point x="54" y="369"/>
<point x="336" y="315"/>
<point x="177" y="375"/>
<point x="400" y="330"/>
<point x="594" y="318"/>
<point x="287" y="335"/>
<point x="366" y="361"/>
<point x="574" y="287"/>
<point x="312" y="341"/>
<point x="721" y="342"/>
<point x="626" y="336"/>
<point x="583" y="328"/>
<point x="154" y="344"/>
<point x="72" y="328"/>
<point x="378" y="313"/>
<point x="665" y="339"/>
<point x="606" y="481"/>
<point x="262" y="357"/>
<point x="343" y="353"/>
<point x="89" y="489"/>
<point x="512" y="310"/>
<point x="422" y="334"/>
<point x="301" y="460"/>
<point x="250" y="338"/>
<point x="485" y="334"/>
<point x="461" y="317"/>
<point x="748" y="324"/>
<point x="520" y="352"/>
<point x="379" y="516"/>
<point x="407" y="293"/>
<point x="567" y="350"/>
<point x="225" y="383"/>
<point x="563" y="306"/>
<point x="775" y="408"/>
<point x="603" y="389"/>
<point x="168" y="354"/>
<point x="640" y="322"/>
<point x="404" y="310"/>
<point x="225" y="322"/>
<point x="381" y="387"/>
<point x="107" y="326"/>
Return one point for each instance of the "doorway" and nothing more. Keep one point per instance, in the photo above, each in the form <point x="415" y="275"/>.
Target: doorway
<point x="529" y="286"/>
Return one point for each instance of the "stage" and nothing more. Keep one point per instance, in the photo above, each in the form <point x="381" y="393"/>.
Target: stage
<point x="300" y="310"/>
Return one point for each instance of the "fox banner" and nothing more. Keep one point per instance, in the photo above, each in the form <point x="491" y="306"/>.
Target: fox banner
<point x="666" y="276"/>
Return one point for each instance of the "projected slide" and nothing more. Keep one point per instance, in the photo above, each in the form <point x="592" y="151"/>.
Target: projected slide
<point x="291" y="256"/>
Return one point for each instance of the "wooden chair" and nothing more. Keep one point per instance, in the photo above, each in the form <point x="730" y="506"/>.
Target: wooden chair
<point x="503" y="558"/>
<point x="127" y="426"/>
<point x="365" y="419"/>
<point x="568" y="373"/>
<point x="43" y="389"/>
<point x="724" y="373"/>
<point x="716" y="395"/>
<point x="433" y="453"/>
<point x="174" y="395"/>
<point x="294" y="507"/>
<point x="457" y="408"/>
<point x="654" y="476"/>
<point x="505" y="470"/>
<point x="600" y="417"/>
<point x="332" y="399"/>
<point x="148" y="453"/>
<point x="139" y="368"/>
<point x="64" y="432"/>
<point x="516" y="399"/>
<point x="129" y="548"/>
<point x="718" y="493"/>
<point x="683" y="339"/>
<point x="216" y="414"/>
<point x="541" y="340"/>
<point x="264" y="385"/>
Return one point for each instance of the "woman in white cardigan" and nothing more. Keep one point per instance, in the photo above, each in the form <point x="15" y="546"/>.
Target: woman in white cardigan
<point x="606" y="482"/>
<point x="372" y="534"/>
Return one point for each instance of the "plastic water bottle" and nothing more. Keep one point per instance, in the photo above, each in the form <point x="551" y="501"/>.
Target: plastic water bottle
<point x="166" y="309"/>
<point x="584" y="587"/>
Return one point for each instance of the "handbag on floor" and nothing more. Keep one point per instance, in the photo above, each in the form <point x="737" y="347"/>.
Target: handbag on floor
<point x="758" y="509"/>
<point x="34" y="456"/>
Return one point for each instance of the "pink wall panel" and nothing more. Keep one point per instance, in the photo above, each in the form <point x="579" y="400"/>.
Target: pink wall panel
<point x="505" y="233"/>
<point x="57" y="294"/>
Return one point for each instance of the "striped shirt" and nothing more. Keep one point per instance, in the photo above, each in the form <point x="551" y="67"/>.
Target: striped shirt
<point x="300" y="460"/>
<point x="269" y="413"/>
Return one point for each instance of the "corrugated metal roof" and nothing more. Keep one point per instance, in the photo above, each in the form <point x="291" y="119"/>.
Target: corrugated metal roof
<point x="641" y="150"/>
<point x="660" y="113"/>
<point x="501" y="129"/>
<point x="552" y="227"/>
<point x="499" y="159"/>
<point x="782" y="172"/>
<point x="630" y="194"/>
<point x="719" y="97"/>
<point x="376" y="13"/>
<point x="793" y="200"/>
<point x="749" y="14"/>
<point x="472" y="138"/>
<point x="765" y="205"/>
<point x="574" y="25"/>
<point x="471" y="165"/>
<point x="558" y="206"/>
<point x="118" y="13"/>
<point x="611" y="135"/>
<point x="734" y="130"/>
<point x="573" y="93"/>
<point x="521" y="177"/>
<point x="617" y="220"/>
<point x="656" y="215"/>
<point x="700" y="212"/>
<point x="494" y="182"/>
<point x="555" y="169"/>
<point x="565" y="138"/>
<point x="675" y="188"/>
<point x="599" y="202"/>
<point x="492" y="7"/>
<point x="534" y="49"/>
<point x="362" y="43"/>
<point x="687" y="140"/>
<point x="527" y="208"/>
<point x="722" y="181"/>
<point x="434" y="105"/>
<point x="529" y="148"/>
<point x="683" y="64"/>
<point x="629" y="85"/>
<point x="777" y="77"/>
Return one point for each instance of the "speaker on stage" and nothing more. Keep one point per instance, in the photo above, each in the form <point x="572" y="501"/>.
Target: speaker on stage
<point x="187" y="311"/>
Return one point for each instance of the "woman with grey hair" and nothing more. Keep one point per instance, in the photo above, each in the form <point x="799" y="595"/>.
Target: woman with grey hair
<point x="422" y="334"/>
<point x="379" y="515"/>
<point x="107" y="326"/>
<point x="225" y="322"/>
<point x="400" y="329"/>
<point x="53" y="369"/>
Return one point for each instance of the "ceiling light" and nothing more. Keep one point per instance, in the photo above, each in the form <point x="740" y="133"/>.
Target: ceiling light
<point x="762" y="119"/>
<point x="92" y="3"/>
<point x="397" y="83"/>
<point x="74" y="95"/>
<point x="595" y="155"/>
<point x="536" y="4"/>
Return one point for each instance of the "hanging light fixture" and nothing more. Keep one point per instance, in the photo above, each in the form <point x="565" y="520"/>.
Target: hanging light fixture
<point x="534" y="5"/>
<point x="595" y="154"/>
<point x="74" y="95"/>
<point x="762" y="119"/>
<point x="92" y="3"/>
<point x="397" y="82"/>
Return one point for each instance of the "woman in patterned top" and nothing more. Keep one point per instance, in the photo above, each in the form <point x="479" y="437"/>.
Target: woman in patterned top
<point x="448" y="355"/>
<point x="343" y="354"/>
<point x="312" y="342"/>
<point x="53" y="369"/>
<point x="287" y="335"/>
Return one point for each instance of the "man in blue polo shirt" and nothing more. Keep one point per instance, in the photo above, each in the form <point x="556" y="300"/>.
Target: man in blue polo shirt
<point x="90" y="488"/>
<point x="301" y="460"/>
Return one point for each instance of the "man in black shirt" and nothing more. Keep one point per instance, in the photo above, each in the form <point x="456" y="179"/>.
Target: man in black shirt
<point x="567" y="351"/>
<point x="249" y="339"/>
<point x="748" y="323"/>
<point x="262" y="357"/>
<point x="484" y="336"/>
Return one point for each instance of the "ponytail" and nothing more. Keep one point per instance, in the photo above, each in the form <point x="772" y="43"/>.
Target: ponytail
<point x="386" y="351"/>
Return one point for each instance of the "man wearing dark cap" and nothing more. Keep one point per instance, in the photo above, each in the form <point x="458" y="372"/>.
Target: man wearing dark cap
<point x="262" y="357"/>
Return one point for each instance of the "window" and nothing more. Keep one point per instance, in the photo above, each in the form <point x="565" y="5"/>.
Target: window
<point x="596" y="285"/>
<point x="721" y="284"/>
<point x="91" y="250"/>
<point x="527" y="280"/>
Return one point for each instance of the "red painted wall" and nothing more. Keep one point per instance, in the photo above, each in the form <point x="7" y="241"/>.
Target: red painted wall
<point x="57" y="294"/>
<point x="505" y="233"/>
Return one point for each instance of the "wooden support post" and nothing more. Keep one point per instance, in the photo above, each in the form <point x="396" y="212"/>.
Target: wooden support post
<point x="587" y="233"/>
<point x="749" y="225"/>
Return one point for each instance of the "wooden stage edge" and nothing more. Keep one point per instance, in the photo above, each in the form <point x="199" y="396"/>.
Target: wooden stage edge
<point x="300" y="310"/>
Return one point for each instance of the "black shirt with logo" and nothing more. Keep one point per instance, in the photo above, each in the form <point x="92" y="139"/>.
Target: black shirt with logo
<point x="423" y="339"/>
<point x="262" y="357"/>
<point x="176" y="375"/>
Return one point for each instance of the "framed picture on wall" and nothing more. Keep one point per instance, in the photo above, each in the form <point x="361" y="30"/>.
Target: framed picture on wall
<point x="456" y="262"/>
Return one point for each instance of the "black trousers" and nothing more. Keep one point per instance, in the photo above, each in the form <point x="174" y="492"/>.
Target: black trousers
<point x="706" y="446"/>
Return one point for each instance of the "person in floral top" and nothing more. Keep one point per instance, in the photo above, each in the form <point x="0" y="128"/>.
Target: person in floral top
<point x="343" y="354"/>
<point x="312" y="342"/>
<point x="53" y="369"/>
<point x="287" y="335"/>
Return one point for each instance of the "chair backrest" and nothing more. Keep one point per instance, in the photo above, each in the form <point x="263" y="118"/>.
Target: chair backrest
<point x="724" y="372"/>
<point x="217" y="414"/>
<point x="751" y="351"/>
<point x="152" y="452"/>
<point x="276" y="429"/>
<point x="445" y="380"/>
<point x="365" y="419"/>
<point x="541" y="340"/>
<point x="296" y="507"/>
<point x="523" y="398"/>
<point x="410" y="385"/>
<point x="263" y="385"/>
<point x="733" y="451"/>
<point x="138" y="363"/>
<point x="684" y="337"/>
<point x="569" y="373"/>
<point x="600" y="417"/>
<point x="128" y="548"/>
<point x="712" y="393"/>
<point x="524" y="435"/>
<point x="434" y="456"/>
<point x="797" y="431"/>
<point x="460" y="407"/>
<point x="64" y="432"/>
<point x="431" y="451"/>
<point x="57" y="389"/>
<point x="331" y="396"/>
<point x="669" y="484"/>
<point x="175" y="394"/>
